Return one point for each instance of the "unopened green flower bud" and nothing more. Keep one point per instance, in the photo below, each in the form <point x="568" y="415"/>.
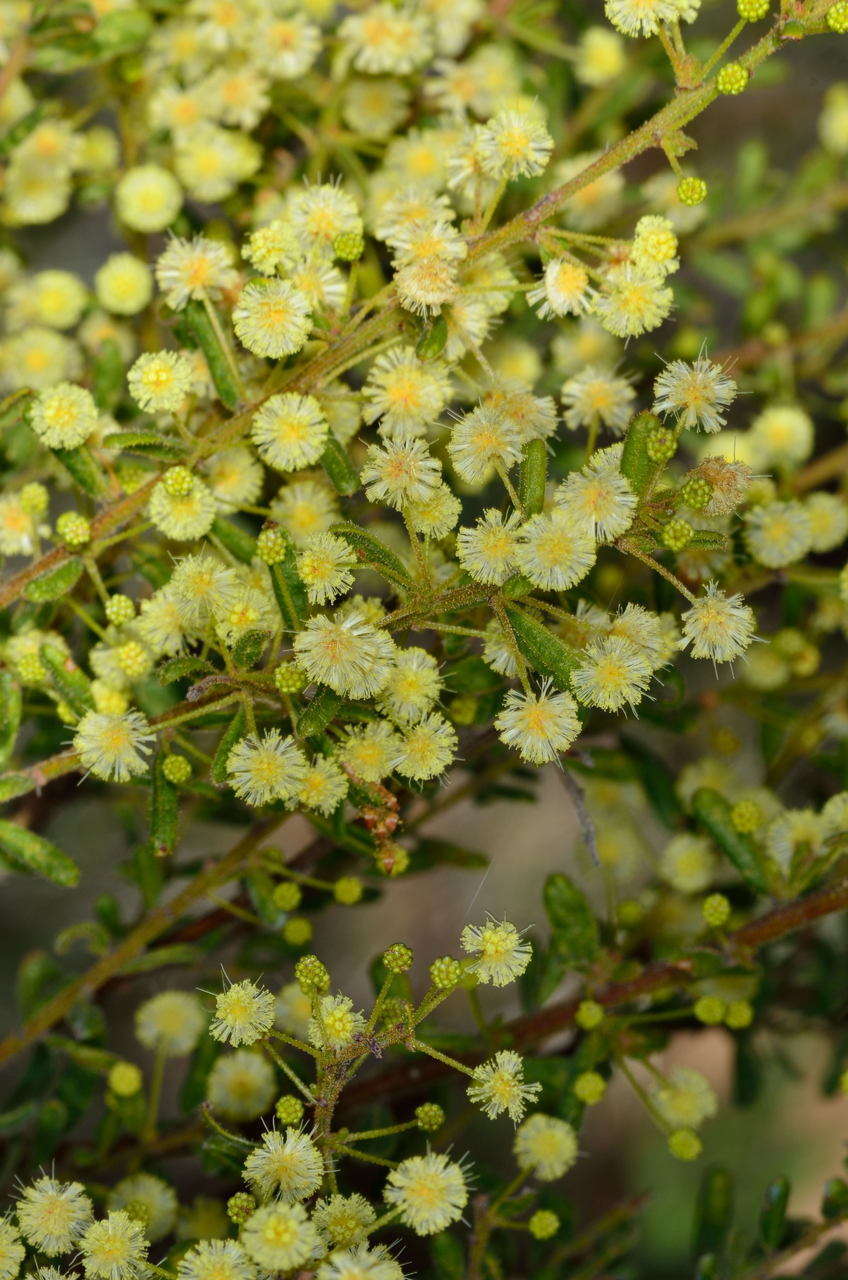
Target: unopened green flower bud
<point x="297" y="931"/>
<point x="710" y="1010"/>
<point x="589" y="1014"/>
<point x="429" y="1117"/>
<point x="398" y="957"/>
<point x="133" y="659"/>
<point x="716" y="910"/>
<point x="178" y="482"/>
<point x="543" y="1224"/>
<point x="289" y="1109"/>
<point x="287" y="895"/>
<point x="177" y="769"/>
<point x="684" y="1144"/>
<point x="289" y="678"/>
<point x="73" y="529"/>
<point x="590" y="1087"/>
<point x="272" y="545"/>
<point x="677" y="534"/>
<point x="310" y="975"/>
<point x="837" y="17"/>
<point x="119" y="610"/>
<point x="752" y="10"/>
<point x="347" y="890"/>
<point x="732" y="78"/>
<point x="445" y="973"/>
<point x="692" y="190"/>
<point x="124" y="1079"/>
<point x="746" y="816"/>
<point x="240" y="1207"/>
<point x="661" y="444"/>
<point x="739" y="1015"/>
<point x="34" y="498"/>
<point x="695" y="492"/>
<point x="348" y="246"/>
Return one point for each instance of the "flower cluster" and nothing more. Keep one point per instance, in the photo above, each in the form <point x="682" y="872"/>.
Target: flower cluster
<point x="378" y="440"/>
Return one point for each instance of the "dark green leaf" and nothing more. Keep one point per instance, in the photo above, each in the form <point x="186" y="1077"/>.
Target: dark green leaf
<point x="574" y="927"/>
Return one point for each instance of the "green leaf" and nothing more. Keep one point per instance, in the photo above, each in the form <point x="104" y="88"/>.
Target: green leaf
<point x="82" y="468"/>
<point x="371" y="551"/>
<point x="835" y="1199"/>
<point x="18" y="1118"/>
<point x="432" y="341"/>
<point x="773" y="1211"/>
<point x="544" y="651"/>
<point x="182" y="668"/>
<point x="235" y="539"/>
<point x="575" y="930"/>
<point x="122" y="30"/>
<point x="339" y="468"/>
<point x="713" y="1211"/>
<point x="540" y="979"/>
<point x="27" y="851"/>
<point x="229" y="738"/>
<point x="533" y="476"/>
<point x="10" y="714"/>
<point x="431" y="851"/>
<point x="68" y="680"/>
<point x="289" y="591"/>
<point x="55" y="584"/>
<point x="636" y="466"/>
<point x="146" y="871"/>
<point x="260" y="888"/>
<point x="162" y="958"/>
<point x="38" y="973"/>
<point x="13" y="785"/>
<point x="248" y="649"/>
<point x="712" y="812"/>
<point x="202" y="330"/>
<point x="318" y="713"/>
<point x="150" y="444"/>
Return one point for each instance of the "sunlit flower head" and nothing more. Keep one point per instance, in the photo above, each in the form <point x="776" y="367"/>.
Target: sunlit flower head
<point x="197" y="268"/>
<point x="52" y="1215"/>
<point x="498" y="952"/>
<point x="430" y="1191"/>
<point x="349" y="654"/>
<point x="171" y="1023"/>
<point x="498" y="1086"/>
<point x="546" y="1146"/>
<point x="718" y="626"/>
<point x="114" y="747"/>
<point x="280" y="1237"/>
<point x="538" y="725"/>
<point x="554" y="552"/>
<point x="244" y="1013"/>
<point x="696" y="394"/>
<point x="271" y="318"/>
<point x="426" y="749"/>
<point x="286" y="1166"/>
<point x="487" y="550"/>
<point x="266" y="767"/>
<point x="613" y="674"/>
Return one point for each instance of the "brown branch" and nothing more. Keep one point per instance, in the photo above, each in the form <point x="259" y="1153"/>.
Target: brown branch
<point x="534" y="1029"/>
